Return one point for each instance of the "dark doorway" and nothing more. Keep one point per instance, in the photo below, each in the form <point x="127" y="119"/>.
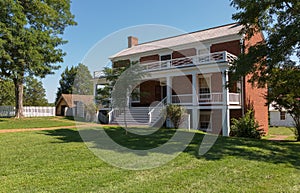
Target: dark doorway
<point x="160" y="92"/>
<point x="62" y="110"/>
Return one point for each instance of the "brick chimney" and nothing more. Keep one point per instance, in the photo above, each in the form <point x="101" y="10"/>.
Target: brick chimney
<point x="132" y="41"/>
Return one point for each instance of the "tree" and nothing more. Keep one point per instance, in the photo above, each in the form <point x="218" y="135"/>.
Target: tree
<point x="121" y="81"/>
<point x="272" y="62"/>
<point x="285" y="92"/>
<point x="7" y="95"/>
<point x="280" y="21"/>
<point x="175" y="114"/>
<point x="34" y="93"/>
<point x="30" y="36"/>
<point x="76" y="80"/>
<point x="111" y="75"/>
<point x="246" y="126"/>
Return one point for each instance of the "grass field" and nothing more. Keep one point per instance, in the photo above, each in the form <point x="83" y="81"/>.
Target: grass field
<point x="286" y="131"/>
<point x="34" y="122"/>
<point x="58" y="161"/>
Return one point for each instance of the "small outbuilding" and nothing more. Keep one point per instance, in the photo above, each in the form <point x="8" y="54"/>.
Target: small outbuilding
<point x="73" y="104"/>
<point x="280" y="118"/>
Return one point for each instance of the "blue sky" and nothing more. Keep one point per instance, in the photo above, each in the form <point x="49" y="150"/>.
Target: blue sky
<point x="98" y="19"/>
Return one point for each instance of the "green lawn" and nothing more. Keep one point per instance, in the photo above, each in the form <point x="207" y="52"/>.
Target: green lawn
<point x="287" y="131"/>
<point x="58" y="161"/>
<point x="34" y="122"/>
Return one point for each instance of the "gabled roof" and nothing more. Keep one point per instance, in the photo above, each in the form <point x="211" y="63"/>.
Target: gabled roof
<point x="71" y="98"/>
<point x="202" y="35"/>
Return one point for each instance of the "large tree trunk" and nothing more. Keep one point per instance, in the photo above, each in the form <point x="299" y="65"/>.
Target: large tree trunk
<point x="297" y="125"/>
<point x="19" y="98"/>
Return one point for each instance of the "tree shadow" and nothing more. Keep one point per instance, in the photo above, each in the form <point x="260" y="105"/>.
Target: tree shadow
<point x="277" y="152"/>
<point x="64" y="135"/>
<point x="249" y="149"/>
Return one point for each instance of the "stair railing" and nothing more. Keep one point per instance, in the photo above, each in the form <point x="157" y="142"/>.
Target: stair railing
<point x="114" y="113"/>
<point x="111" y="115"/>
<point x="156" y="108"/>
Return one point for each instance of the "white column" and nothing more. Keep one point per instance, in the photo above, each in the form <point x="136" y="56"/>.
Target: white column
<point x="95" y="88"/>
<point x="169" y="89"/>
<point x="195" y="88"/>
<point x="195" y="91"/>
<point x="225" y="109"/>
<point x="169" y="96"/>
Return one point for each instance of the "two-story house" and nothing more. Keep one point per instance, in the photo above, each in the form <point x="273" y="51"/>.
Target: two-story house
<point x="192" y="70"/>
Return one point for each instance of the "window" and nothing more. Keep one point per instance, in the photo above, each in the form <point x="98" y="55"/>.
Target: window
<point x="204" y="88"/>
<point x="282" y="115"/>
<point x="165" y="60"/>
<point x="165" y="57"/>
<point x="205" y="121"/>
<point x="136" y="96"/>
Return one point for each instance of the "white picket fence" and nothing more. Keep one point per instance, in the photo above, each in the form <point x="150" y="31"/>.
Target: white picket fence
<point x="9" y="111"/>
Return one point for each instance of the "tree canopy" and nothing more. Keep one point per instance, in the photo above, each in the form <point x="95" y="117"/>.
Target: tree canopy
<point x="34" y="93"/>
<point x="7" y="94"/>
<point x="75" y="80"/>
<point x="284" y="92"/>
<point x="280" y="22"/>
<point x="275" y="61"/>
<point x="30" y="36"/>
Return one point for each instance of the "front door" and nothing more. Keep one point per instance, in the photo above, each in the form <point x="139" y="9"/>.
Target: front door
<point x="160" y="92"/>
<point x="157" y="93"/>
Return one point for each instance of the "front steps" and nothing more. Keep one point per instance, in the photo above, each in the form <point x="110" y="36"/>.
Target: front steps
<point x="134" y="116"/>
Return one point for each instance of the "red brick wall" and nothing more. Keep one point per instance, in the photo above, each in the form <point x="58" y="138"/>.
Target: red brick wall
<point x="235" y="113"/>
<point x="254" y="97"/>
<point x="147" y="90"/>
<point x="151" y="58"/>
<point x="182" y="84"/>
<point x="216" y="121"/>
<point x="121" y="63"/>
<point x="232" y="47"/>
<point x="184" y="53"/>
<point x="216" y="82"/>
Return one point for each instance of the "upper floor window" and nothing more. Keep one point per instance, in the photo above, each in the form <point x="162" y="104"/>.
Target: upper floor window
<point x="204" y="88"/>
<point x="165" y="57"/>
<point x="204" y="85"/>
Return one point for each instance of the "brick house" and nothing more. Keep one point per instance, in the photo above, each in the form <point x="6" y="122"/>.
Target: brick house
<point x="192" y="70"/>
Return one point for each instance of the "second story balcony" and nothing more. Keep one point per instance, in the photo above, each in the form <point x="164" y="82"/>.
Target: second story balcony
<point x="205" y="59"/>
<point x="211" y="58"/>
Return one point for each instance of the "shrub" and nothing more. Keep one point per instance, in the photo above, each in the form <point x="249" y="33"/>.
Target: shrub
<point x="246" y="126"/>
<point x="175" y="113"/>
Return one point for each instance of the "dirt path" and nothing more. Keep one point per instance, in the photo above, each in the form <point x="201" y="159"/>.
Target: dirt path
<point x="278" y="137"/>
<point x="48" y="128"/>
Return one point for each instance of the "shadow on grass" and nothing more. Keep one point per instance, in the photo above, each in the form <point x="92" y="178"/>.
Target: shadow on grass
<point x="249" y="149"/>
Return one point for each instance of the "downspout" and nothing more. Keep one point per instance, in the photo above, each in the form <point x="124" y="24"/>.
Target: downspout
<point x="242" y="44"/>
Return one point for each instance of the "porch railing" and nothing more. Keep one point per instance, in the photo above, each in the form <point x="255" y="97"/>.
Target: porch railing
<point x="206" y="98"/>
<point x="234" y="98"/>
<point x="189" y="61"/>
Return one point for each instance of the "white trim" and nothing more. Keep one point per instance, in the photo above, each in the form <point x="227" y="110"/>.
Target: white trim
<point x="210" y="113"/>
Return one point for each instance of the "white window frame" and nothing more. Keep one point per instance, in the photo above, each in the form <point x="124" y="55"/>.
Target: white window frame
<point x="206" y="77"/>
<point x="210" y="120"/>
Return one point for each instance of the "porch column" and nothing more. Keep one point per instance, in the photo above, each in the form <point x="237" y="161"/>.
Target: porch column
<point x="195" y="98"/>
<point x="225" y="109"/>
<point x="169" y="89"/>
<point x="195" y="87"/>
